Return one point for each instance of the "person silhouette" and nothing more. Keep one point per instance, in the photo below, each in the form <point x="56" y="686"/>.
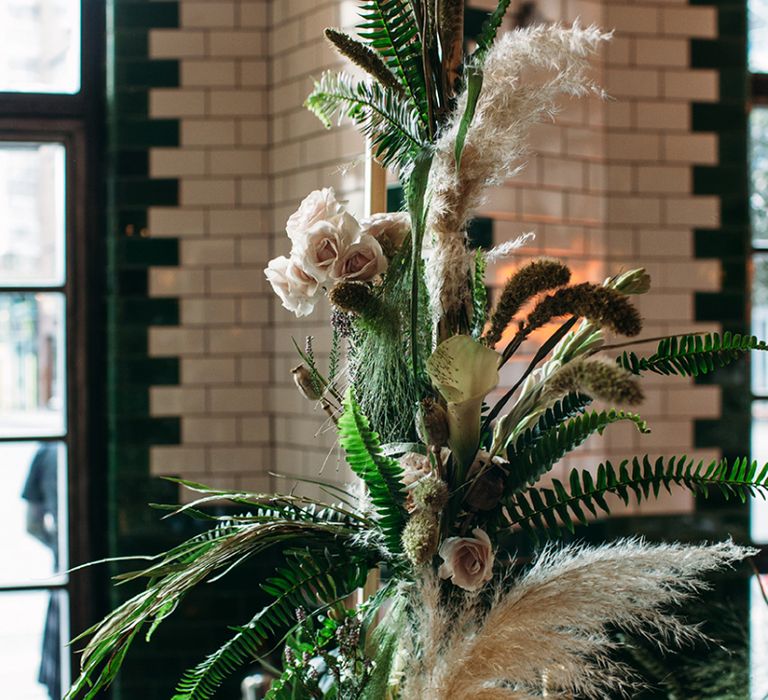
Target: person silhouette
<point x="42" y="495"/>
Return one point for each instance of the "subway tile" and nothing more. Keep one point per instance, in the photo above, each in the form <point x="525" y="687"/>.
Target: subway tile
<point x="175" y="282"/>
<point x="164" y="342"/>
<point x="208" y="370"/>
<point x="208" y="132"/>
<point x="176" y="222"/>
<point x="690" y="21"/>
<point x="238" y="43"/>
<point x="207" y="15"/>
<point x="205" y="311"/>
<point x="208" y="73"/>
<point x="172" y="460"/>
<point x="172" y="43"/>
<point x="207" y="191"/>
<point x="176" y="401"/>
<point x="208" y="430"/>
<point x="169" y="162"/>
<point x="220" y="251"/>
<point x="697" y="85"/>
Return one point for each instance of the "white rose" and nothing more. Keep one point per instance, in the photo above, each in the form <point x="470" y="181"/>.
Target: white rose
<point x="467" y="561"/>
<point x="296" y="288"/>
<point x="326" y="242"/>
<point x="362" y="261"/>
<point x="389" y="230"/>
<point x="319" y="205"/>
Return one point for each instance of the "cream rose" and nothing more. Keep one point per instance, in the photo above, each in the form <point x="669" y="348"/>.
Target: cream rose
<point x="296" y="287"/>
<point x="326" y="242"/>
<point x="362" y="261"/>
<point x="389" y="230"/>
<point x="467" y="561"/>
<point x="319" y="205"/>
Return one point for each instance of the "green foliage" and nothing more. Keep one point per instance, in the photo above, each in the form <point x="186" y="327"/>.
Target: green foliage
<point x="381" y="474"/>
<point x="391" y="123"/>
<point x="474" y="81"/>
<point x="307" y="579"/>
<point x="537" y="451"/>
<point x="274" y="520"/>
<point x="391" y="28"/>
<point x="479" y="295"/>
<point x="692" y="355"/>
<point x="551" y="510"/>
<point x="490" y="28"/>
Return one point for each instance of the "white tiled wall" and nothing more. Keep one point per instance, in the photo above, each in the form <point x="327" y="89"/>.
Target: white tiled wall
<point x="610" y="189"/>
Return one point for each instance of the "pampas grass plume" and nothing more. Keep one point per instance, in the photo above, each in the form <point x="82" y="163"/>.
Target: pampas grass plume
<point x="554" y="623"/>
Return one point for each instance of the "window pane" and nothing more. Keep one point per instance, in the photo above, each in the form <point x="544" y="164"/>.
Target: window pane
<point x="758" y="506"/>
<point x="758" y="642"/>
<point x="40" y="46"/>
<point x="33" y="512"/>
<point x="759" y="175"/>
<point x="758" y="36"/>
<point x="34" y="660"/>
<point x="32" y="382"/>
<point x="32" y="225"/>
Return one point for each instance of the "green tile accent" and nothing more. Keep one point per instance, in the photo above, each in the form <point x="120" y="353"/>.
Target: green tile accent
<point x="157" y="192"/>
<point x="142" y="133"/>
<point x="730" y="243"/>
<point x="157" y="73"/>
<point x="148" y="312"/>
<point x="143" y="14"/>
<point x="150" y="251"/>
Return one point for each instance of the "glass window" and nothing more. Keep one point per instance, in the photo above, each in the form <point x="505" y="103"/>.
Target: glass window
<point x="758" y="642"/>
<point x="32" y="224"/>
<point x="759" y="174"/>
<point x="33" y="640"/>
<point x="33" y="513"/>
<point x="40" y="46"/>
<point x="758" y="36"/>
<point x="759" y="507"/>
<point x="32" y="393"/>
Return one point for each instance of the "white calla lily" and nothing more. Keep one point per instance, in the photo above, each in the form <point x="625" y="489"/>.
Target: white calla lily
<point x="464" y="372"/>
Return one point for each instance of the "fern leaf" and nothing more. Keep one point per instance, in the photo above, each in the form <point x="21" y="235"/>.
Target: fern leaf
<point x="389" y="121"/>
<point x="490" y="28"/>
<point x="692" y="355"/>
<point x="552" y="510"/>
<point x="537" y="451"/>
<point x="306" y="580"/>
<point x="391" y="29"/>
<point x="381" y="474"/>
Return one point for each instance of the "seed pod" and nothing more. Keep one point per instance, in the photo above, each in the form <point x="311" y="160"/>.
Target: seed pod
<point x="431" y="493"/>
<point x="420" y="537"/>
<point x="306" y="383"/>
<point x="432" y="423"/>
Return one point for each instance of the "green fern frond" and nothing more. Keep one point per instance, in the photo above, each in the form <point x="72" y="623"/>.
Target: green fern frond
<point x="391" y="29"/>
<point x="308" y="580"/>
<point x="391" y="123"/>
<point x="692" y="355"/>
<point x="531" y="462"/>
<point x="552" y="510"/>
<point x="381" y="474"/>
<point x="570" y="405"/>
<point x="490" y="28"/>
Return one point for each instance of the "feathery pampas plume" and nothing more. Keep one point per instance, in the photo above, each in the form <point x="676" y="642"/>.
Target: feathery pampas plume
<point x="508" y="106"/>
<point x="551" y="628"/>
<point x="504" y="250"/>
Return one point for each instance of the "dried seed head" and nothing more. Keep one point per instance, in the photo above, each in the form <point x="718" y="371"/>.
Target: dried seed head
<point x="306" y="383"/>
<point x="488" y="489"/>
<point x="602" y="305"/>
<point x="365" y="57"/>
<point x="420" y="537"/>
<point x="598" y="378"/>
<point x="433" y="423"/>
<point x="354" y="297"/>
<point x="534" y="278"/>
<point x="431" y="493"/>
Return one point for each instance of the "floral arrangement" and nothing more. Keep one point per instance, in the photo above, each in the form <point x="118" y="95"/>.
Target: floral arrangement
<point x="444" y="475"/>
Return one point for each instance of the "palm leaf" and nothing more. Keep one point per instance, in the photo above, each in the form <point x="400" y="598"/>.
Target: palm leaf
<point x="278" y="520"/>
<point x="538" y="450"/>
<point x="388" y="120"/>
<point x="692" y="355"/>
<point x="391" y="29"/>
<point x="381" y="474"/>
<point x="308" y="580"/>
<point x="551" y="510"/>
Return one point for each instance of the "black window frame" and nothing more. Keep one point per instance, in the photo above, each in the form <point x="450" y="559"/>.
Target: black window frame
<point x="77" y="121"/>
